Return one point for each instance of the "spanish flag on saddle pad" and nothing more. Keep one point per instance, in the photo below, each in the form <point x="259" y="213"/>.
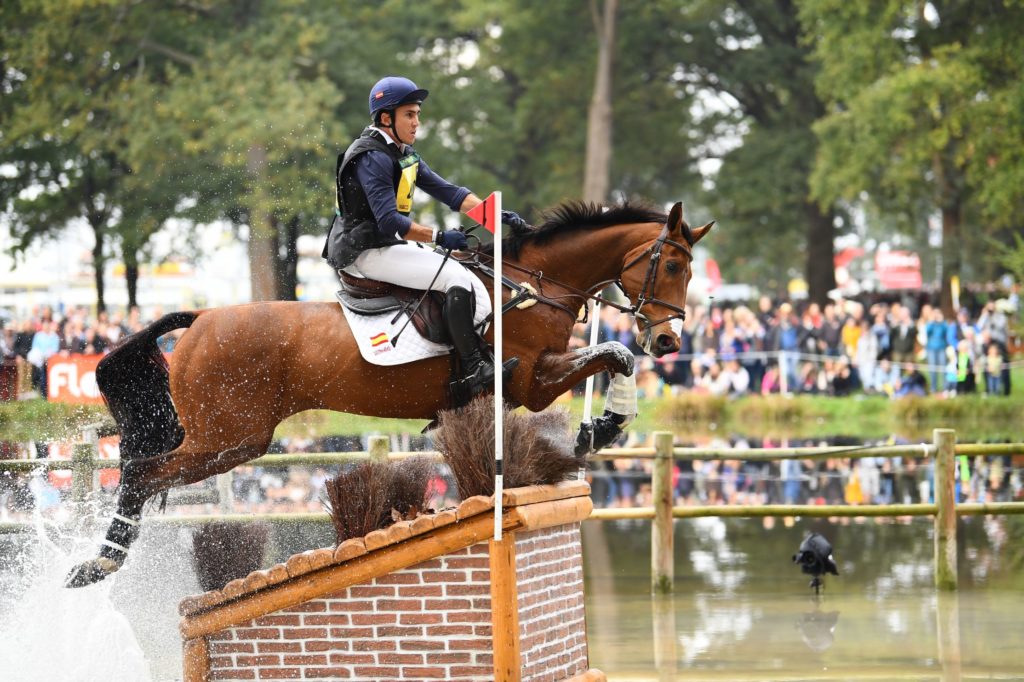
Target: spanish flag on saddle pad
<point x="486" y="213"/>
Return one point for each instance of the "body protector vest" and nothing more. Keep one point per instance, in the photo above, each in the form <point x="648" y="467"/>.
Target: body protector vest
<point x="354" y="228"/>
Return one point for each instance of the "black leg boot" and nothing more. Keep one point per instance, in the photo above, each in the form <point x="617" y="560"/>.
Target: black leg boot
<point x="477" y="371"/>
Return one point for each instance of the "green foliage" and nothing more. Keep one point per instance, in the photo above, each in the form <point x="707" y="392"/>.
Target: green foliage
<point x="25" y="420"/>
<point x="127" y="114"/>
<point x="1012" y="257"/>
<point x="748" y="57"/>
<point x="71" y="75"/>
<point x="923" y="113"/>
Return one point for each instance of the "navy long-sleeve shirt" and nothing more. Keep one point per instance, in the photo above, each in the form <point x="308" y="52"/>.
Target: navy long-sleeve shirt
<point x="377" y="174"/>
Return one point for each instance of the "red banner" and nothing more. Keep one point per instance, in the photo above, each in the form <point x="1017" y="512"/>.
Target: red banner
<point x="898" y="269"/>
<point x="72" y="379"/>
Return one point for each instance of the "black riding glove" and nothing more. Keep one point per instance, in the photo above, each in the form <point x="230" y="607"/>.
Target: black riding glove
<point x="513" y="220"/>
<point x="453" y="240"/>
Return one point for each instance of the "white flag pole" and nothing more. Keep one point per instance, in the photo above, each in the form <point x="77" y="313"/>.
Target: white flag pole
<point x="499" y="379"/>
<point x="588" y="397"/>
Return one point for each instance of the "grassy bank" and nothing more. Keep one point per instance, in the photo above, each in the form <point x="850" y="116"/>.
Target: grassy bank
<point x="37" y="419"/>
<point x="975" y="417"/>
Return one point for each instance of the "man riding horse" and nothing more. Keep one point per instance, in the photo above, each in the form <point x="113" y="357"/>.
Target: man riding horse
<point x="217" y="403"/>
<point x="373" y="236"/>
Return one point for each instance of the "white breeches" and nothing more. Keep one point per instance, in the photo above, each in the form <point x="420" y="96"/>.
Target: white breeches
<point x="412" y="266"/>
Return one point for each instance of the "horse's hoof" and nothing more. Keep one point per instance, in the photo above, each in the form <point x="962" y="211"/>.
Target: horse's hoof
<point x="91" y="571"/>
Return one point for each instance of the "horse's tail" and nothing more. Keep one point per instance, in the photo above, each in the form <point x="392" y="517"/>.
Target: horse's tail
<point x="134" y="381"/>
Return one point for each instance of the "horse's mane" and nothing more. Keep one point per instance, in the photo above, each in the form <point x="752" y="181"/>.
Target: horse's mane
<point x="581" y="215"/>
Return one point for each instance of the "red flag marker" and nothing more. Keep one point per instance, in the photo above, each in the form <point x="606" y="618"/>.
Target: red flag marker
<point x="486" y="213"/>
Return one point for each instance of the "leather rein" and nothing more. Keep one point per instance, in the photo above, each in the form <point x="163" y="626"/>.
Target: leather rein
<point x="645" y="296"/>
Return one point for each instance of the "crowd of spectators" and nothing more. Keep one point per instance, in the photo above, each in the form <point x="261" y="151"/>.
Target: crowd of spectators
<point x="29" y="342"/>
<point x="894" y="348"/>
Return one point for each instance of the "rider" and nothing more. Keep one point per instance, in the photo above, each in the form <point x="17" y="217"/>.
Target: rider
<point x="373" y="236"/>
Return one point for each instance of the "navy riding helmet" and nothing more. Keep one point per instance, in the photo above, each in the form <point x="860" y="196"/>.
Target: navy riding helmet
<point x="393" y="91"/>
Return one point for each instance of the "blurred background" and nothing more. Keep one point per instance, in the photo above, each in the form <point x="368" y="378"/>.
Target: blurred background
<point x="181" y="154"/>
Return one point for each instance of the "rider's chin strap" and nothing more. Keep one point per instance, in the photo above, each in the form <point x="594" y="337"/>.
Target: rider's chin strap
<point x="394" y="131"/>
<point x="391" y="126"/>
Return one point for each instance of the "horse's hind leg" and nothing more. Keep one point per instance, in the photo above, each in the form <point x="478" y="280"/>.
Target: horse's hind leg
<point x="140" y="480"/>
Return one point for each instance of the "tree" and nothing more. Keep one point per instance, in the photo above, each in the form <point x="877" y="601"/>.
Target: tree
<point x="597" y="163"/>
<point x="921" y="103"/>
<point x="751" y="72"/>
<point x="250" y="111"/>
<point x="516" y="118"/>
<point x="71" y="77"/>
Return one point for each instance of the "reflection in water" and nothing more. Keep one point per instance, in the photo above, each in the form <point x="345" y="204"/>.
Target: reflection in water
<point x="817" y="627"/>
<point x="738" y="613"/>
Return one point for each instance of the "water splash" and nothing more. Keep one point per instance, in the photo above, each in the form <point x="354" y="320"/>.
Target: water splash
<point x="48" y="632"/>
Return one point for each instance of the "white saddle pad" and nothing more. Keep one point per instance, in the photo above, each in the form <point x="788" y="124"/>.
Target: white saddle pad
<point x="374" y="334"/>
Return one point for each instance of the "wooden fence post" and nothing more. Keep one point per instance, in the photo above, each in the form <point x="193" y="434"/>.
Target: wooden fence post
<point x="379" y="447"/>
<point x="82" y="472"/>
<point x="945" y="509"/>
<point x="226" y="492"/>
<point x="662" y="566"/>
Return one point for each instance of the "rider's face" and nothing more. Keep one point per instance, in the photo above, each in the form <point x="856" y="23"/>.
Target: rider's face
<point x="407" y="122"/>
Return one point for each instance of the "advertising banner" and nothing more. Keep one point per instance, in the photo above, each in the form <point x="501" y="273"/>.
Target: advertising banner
<point x="72" y="379"/>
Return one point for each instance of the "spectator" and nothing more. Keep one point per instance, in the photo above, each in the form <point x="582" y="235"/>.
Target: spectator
<point x="881" y="331"/>
<point x="965" y="367"/>
<point x="845" y="381"/>
<point x="866" y="356"/>
<point x="935" y="346"/>
<point x="887" y="377"/>
<point x="993" y="370"/>
<point x="912" y="382"/>
<point x="735" y="376"/>
<point x="851" y="335"/>
<point x="771" y="381"/>
<point x="45" y="344"/>
<point x="830" y="342"/>
<point x="903" y="337"/>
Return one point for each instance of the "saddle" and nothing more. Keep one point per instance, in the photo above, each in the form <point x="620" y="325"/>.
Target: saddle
<point x="371" y="297"/>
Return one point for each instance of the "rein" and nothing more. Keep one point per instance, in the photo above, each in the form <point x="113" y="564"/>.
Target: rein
<point x="643" y="298"/>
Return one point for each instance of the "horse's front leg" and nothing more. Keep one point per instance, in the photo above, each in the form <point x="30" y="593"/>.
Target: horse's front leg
<point x="556" y="373"/>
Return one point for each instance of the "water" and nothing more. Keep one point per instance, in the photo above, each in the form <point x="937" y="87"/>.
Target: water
<point x="742" y="610"/>
<point x="123" y="628"/>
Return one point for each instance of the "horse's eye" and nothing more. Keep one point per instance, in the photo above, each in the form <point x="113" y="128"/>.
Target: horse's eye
<point x="672" y="266"/>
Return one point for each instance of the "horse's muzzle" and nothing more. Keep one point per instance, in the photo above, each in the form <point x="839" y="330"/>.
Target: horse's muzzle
<point x="658" y="345"/>
<point x="665" y="344"/>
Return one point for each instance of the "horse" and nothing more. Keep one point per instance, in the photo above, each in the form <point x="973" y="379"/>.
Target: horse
<point x="238" y="371"/>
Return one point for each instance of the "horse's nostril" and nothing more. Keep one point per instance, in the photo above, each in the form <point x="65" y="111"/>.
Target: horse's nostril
<point x="665" y="342"/>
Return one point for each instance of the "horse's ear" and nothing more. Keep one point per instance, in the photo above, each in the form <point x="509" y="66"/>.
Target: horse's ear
<point x="675" y="218"/>
<point x="697" y="233"/>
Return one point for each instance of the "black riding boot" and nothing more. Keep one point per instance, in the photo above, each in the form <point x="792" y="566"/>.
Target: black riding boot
<point x="477" y="370"/>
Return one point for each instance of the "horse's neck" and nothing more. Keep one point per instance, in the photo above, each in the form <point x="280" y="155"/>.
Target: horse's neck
<point x="585" y="258"/>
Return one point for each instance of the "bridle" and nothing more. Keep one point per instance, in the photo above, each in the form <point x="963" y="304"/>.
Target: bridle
<point x="644" y="297"/>
<point x="646" y="294"/>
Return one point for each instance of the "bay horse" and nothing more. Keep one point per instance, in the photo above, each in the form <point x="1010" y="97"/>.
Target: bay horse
<point x="238" y="371"/>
